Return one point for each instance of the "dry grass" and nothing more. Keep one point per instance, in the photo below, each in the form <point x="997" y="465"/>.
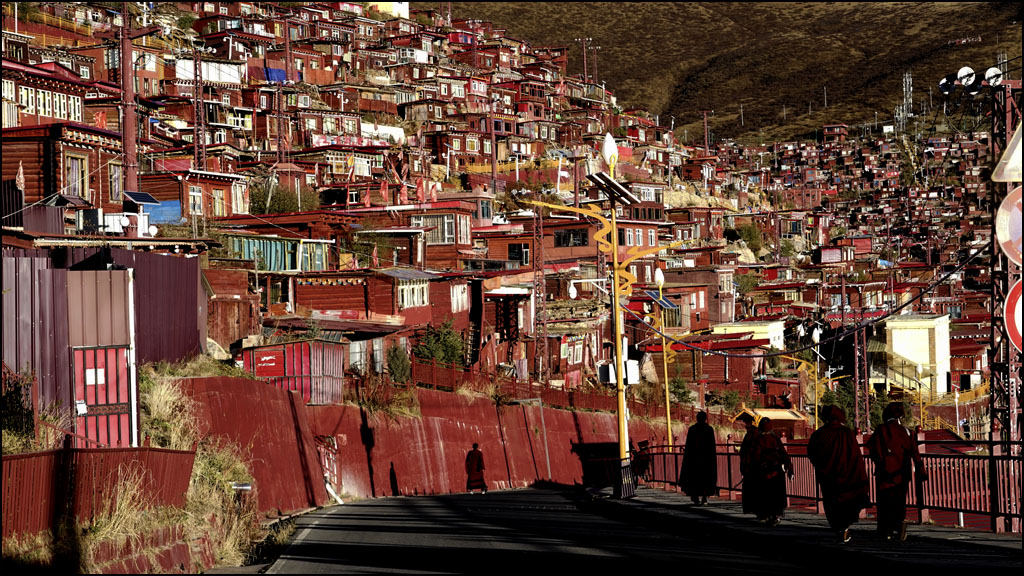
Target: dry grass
<point x="382" y="399"/>
<point x="235" y="521"/>
<point x="45" y="438"/>
<point x="30" y="550"/>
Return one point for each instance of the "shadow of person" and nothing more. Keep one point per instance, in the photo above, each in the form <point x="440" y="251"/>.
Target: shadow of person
<point x="394" y="481"/>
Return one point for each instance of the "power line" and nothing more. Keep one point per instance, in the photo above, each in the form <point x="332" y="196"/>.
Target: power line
<point x="835" y="338"/>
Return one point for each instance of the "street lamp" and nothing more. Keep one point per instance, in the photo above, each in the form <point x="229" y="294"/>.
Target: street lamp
<point x="659" y="279"/>
<point x="610" y="153"/>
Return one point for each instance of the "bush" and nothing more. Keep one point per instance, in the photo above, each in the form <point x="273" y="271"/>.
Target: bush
<point x="399" y="366"/>
<point x="442" y="345"/>
<point x="751" y="235"/>
<point x="679" y="390"/>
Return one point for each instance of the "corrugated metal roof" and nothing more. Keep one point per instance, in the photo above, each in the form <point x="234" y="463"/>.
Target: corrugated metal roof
<point x="408" y="274"/>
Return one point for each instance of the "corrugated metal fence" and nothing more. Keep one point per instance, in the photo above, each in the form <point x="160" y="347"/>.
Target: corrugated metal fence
<point x="39" y="488"/>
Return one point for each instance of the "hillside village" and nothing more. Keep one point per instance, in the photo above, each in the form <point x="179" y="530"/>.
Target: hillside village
<point x="322" y="189"/>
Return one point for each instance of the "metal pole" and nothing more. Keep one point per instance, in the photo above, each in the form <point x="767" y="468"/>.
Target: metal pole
<point x="664" y="357"/>
<point x="620" y="375"/>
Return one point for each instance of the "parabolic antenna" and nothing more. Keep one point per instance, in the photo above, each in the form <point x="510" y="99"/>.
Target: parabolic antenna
<point x="947" y="84"/>
<point x="966" y="75"/>
<point x="994" y="76"/>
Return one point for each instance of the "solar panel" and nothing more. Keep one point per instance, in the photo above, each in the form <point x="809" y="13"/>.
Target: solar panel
<point x="142" y="198"/>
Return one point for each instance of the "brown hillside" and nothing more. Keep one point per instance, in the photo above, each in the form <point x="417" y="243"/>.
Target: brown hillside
<point x="680" y="58"/>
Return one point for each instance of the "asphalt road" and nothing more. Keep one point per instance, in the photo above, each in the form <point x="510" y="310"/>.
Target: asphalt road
<point x="524" y="531"/>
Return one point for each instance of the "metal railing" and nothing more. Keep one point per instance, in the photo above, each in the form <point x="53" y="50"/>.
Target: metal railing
<point x="987" y="484"/>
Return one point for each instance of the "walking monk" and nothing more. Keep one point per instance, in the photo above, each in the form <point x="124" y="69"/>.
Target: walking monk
<point x="475" y="470"/>
<point x="893" y="449"/>
<point x="700" y="462"/>
<point x="835" y="454"/>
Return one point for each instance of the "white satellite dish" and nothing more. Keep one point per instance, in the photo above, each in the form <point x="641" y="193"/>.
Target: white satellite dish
<point x="572" y="292"/>
<point x="994" y="76"/>
<point x="966" y="75"/>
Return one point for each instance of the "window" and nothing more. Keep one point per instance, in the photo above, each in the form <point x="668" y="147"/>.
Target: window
<point x="652" y="239"/>
<point x="74" y="108"/>
<point x="226" y="99"/>
<point x="700" y="296"/>
<point x="472" y="145"/>
<point x="76" y="179"/>
<point x="42" y="102"/>
<point x="28" y="99"/>
<point x="629" y="236"/>
<point x="571" y="238"/>
<point x="263" y="100"/>
<point x="464" y="229"/>
<point x="485" y="209"/>
<point x="443" y="228"/>
<point x="60" y="106"/>
<point x="413" y="293"/>
<point x="238" y="204"/>
<point x="487" y="146"/>
<point x="219" y="209"/>
<point x="519" y="253"/>
<point x="444" y="89"/>
<point x="648" y="275"/>
<point x="456" y="144"/>
<point x="116" y="182"/>
<point x="460" y="298"/>
<point x="639" y="237"/>
<point x="195" y="200"/>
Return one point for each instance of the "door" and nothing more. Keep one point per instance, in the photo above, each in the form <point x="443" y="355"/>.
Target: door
<point x="103" y="400"/>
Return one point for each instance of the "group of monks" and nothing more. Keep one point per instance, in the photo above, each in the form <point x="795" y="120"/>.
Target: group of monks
<point x="836" y="456"/>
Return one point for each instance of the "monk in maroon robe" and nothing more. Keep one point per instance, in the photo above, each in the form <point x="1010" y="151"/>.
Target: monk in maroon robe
<point x="700" y="461"/>
<point x="835" y="454"/>
<point x="893" y="449"/>
<point x="475" y="470"/>
<point x="746" y="457"/>
<point x="769" y="465"/>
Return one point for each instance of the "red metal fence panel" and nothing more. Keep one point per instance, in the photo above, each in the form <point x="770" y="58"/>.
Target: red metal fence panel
<point x="39" y="487"/>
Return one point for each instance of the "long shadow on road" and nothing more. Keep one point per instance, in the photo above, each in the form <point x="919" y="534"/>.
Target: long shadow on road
<point x="524" y="530"/>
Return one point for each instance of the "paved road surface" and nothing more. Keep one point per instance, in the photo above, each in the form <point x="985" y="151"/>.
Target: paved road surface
<point x="528" y="531"/>
<point x="541" y="530"/>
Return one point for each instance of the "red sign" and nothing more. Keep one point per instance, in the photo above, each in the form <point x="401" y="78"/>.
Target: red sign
<point x="1012" y="315"/>
<point x="268" y="363"/>
<point x="1008" y="224"/>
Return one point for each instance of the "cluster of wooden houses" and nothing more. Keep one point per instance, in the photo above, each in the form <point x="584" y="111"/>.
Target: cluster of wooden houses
<point x="421" y="139"/>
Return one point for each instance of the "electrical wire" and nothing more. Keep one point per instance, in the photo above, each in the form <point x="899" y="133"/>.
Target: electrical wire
<point x="835" y="338"/>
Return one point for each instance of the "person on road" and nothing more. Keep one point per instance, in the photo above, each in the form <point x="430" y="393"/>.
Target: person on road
<point x="700" y="461"/>
<point x="893" y="449"/>
<point x="475" y="470"/>
<point x="835" y="454"/>
<point x="746" y="456"/>
<point x="769" y="465"/>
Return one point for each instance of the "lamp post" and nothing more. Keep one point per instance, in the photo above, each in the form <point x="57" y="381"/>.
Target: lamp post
<point x="610" y="153"/>
<point x="659" y="279"/>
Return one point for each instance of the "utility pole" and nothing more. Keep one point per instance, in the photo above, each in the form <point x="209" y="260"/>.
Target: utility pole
<point x="198" y="100"/>
<point x="741" y="116"/>
<point x="707" y="140"/>
<point x="595" y="49"/>
<point x="826" y="96"/>
<point x="129" y="127"/>
<point x="584" y="42"/>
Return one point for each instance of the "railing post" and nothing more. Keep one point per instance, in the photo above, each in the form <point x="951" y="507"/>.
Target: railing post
<point x="922" y="511"/>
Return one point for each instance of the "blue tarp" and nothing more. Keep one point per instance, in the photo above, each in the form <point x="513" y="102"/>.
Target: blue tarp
<point x="169" y="211"/>
<point x="276" y="75"/>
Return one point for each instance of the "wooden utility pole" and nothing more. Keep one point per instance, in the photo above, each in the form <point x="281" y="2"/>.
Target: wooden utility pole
<point x="129" y="127"/>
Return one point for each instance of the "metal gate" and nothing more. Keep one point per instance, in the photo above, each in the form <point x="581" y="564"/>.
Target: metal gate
<point x="104" y="404"/>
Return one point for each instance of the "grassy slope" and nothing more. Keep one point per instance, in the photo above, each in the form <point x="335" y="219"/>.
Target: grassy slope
<point x="679" y="58"/>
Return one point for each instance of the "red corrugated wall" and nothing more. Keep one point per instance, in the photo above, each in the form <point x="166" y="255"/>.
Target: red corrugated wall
<point x="428" y="453"/>
<point x="37" y="486"/>
<point x="271" y="427"/>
